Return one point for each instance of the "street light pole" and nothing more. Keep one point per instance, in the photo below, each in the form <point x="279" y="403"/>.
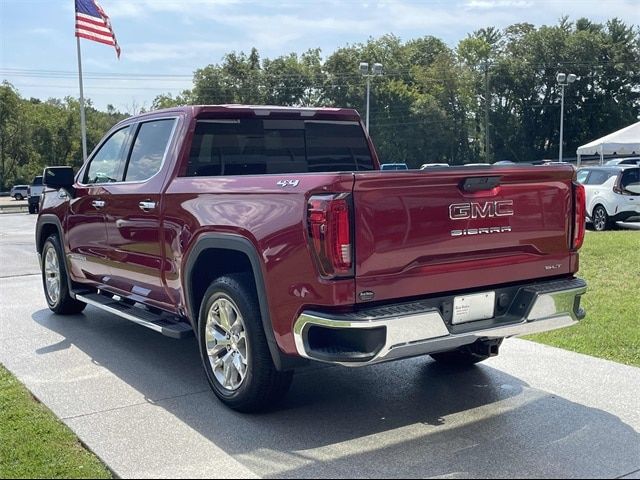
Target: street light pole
<point x="563" y="80"/>
<point x="561" y="122"/>
<point x="376" y="69"/>
<point x="487" y="144"/>
<point x="368" y="91"/>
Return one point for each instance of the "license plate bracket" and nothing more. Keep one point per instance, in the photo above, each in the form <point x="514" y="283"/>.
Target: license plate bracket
<point x="473" y="307"/>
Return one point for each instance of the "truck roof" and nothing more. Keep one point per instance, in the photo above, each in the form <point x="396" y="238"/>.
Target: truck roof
<point x="222" y="111"/>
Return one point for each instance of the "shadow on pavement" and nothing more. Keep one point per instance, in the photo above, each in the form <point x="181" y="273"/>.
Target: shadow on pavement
<point x="406" y="419"/>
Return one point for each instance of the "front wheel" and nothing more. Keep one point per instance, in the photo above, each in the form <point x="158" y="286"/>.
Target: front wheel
<point x="54" y="280"/>
<point x="600" y="219"/>
<point x="18" y="197"/>
<point x="234" y="349"/>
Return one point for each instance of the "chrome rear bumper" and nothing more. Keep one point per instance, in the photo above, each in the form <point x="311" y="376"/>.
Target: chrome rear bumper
<point x="378" y="335"/>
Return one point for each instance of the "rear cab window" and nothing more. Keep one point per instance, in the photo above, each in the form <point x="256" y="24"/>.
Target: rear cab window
<point x="275" y="146"/>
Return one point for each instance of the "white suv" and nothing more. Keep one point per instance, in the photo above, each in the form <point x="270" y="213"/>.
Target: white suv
<point x="613" y="194"/>
<point x="624" y="161"/>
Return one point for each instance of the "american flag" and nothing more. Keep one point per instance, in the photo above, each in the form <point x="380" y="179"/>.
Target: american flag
<point x="93" y="24"/>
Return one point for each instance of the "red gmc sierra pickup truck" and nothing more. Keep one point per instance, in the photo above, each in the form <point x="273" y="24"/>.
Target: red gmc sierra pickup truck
<point x="272" y="234"/>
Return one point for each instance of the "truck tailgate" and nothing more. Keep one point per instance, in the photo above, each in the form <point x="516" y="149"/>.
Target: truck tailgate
<point x="420" y="233"/>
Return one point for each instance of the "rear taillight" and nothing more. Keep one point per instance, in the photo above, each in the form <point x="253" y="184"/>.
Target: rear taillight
<point x="579" y="213"/>
<point x="616" y="186"/>
<point x="329" y="219"/>
<point x="618" y="190"/>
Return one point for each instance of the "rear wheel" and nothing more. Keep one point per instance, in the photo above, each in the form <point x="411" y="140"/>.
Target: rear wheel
<point x="600" y="219"/>
<point x="18" y="197"/>
<point x="469" y="354"/>
<point x="234" y="349"/>
<point x="54" y="279"/>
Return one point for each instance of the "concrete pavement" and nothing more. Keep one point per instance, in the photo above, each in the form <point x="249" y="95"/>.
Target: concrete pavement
<point x="140" y="401"/>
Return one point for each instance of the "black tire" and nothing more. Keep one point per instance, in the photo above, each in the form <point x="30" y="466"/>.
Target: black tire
<point x="263" y="386"/>
<point x="600" y="219"/>
<point x="64" y="304"/>
<point x="468" y="355"/>
<point x="18" y="197"/>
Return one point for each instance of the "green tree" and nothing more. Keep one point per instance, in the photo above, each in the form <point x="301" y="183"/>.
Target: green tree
<point x="35" y="134"/>
<point x="14" y="145"/>
<point x="479" y="52"/>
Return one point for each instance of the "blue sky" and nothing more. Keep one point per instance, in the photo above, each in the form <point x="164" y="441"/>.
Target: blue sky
<point x="172" y="38"/>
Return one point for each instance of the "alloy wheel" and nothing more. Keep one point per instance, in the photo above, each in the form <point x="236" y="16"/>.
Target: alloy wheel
<point x="52" y="274"/>
<point x="226" y="343"/>
<point x="600" y="219"/>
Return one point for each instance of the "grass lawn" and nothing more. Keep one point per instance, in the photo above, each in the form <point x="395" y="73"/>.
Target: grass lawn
<point x="34" y="443"/>
<point x="610" y="263"/>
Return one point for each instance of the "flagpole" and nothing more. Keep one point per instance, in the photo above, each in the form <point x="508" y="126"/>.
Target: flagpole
<point x="83" y="125"/>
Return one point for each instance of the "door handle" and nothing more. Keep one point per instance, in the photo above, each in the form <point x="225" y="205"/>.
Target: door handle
<point x="98" y="204"/>
<point x="146" y="206"/>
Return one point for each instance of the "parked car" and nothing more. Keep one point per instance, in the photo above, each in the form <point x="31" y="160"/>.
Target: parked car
<point x="547" y="161"/>
<point x="19" y="192"/>
<point x="33" y="194"/>
<point x="424" y="166"/>
<point x="624" y="161"/>
<point x="271" y="234"/>
<point x="613" y="194"/>
<point x="394" y="166"/>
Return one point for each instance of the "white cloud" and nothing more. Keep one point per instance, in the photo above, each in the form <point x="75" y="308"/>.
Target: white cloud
<point x="140" y="8"/>
<point x="291" y="32"/>
<point x="491" y="4"/>
<point x="153" y="52"/>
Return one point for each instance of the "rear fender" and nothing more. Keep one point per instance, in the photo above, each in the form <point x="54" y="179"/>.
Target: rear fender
<point x="241" y="244"/>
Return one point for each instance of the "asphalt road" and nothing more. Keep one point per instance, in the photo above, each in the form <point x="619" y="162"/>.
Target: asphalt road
<point x="140" y="402"/>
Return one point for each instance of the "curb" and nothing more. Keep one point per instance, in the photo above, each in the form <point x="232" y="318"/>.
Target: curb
<point x="13" y="209"/>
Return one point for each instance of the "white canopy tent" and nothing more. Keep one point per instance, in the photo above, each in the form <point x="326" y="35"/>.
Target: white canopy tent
<point x="622" y="142"/>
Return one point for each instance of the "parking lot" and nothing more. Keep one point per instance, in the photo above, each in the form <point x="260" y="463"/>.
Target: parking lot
<point x="141" y="403"/>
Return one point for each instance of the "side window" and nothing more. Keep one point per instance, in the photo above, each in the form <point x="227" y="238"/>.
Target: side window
<point x="582" y="176"/>
<point x="598" y="177"/>
<point x="148" y="150"/>
<point x="106" y="165"/>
